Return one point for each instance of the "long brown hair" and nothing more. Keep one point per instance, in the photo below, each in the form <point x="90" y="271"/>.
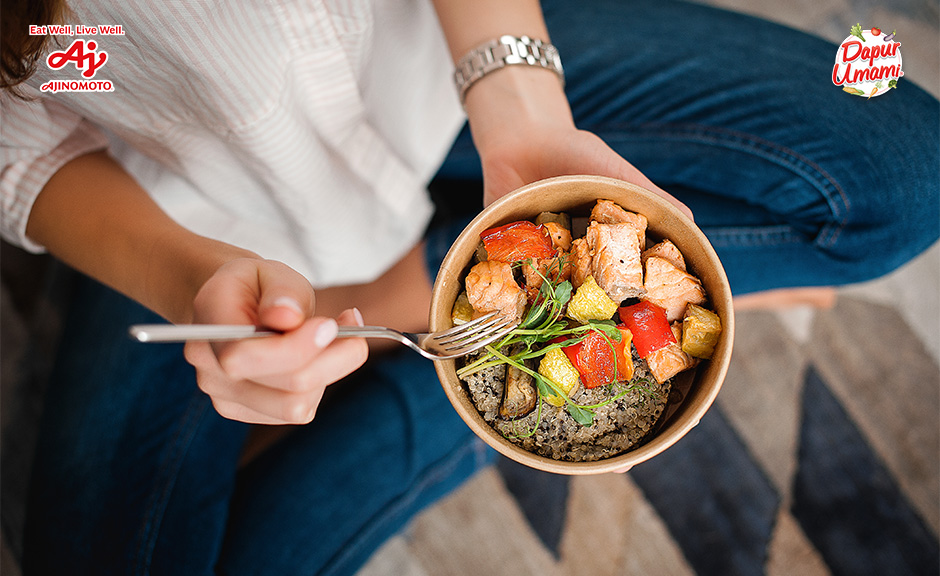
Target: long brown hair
<point x="20" y="52"/>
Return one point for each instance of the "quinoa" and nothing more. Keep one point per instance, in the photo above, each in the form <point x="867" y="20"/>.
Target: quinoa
<point x="619" y="425"/>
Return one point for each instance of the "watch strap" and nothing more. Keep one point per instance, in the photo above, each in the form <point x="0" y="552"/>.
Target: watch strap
<point x="505" y="51"/>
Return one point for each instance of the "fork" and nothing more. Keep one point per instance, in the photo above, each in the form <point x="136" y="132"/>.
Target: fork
<point x="446" y="344"/>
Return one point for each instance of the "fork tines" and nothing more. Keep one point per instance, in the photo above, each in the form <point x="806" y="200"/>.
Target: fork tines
<point x="479" y="332"/>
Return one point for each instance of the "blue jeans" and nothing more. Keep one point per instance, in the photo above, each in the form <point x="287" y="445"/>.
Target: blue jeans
<point x="794" y="181"/>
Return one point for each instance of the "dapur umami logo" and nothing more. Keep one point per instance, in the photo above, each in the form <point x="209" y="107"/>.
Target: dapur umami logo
<point x="868" y="62"/>
<point x="85" y="55"/>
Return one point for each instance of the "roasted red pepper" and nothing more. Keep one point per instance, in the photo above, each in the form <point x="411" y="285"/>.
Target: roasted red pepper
<point x="517" y="241"/>
<point x="594" y="359"/>
<point x="649" y="326"/>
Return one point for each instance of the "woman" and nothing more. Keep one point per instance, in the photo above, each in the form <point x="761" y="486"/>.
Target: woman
<point x="267" y="165"/>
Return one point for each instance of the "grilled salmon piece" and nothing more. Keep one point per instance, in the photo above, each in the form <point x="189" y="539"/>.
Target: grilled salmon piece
<point x="607" y="212"/>
<point x="671" y="288"/>
<point x="667" y="251"/>
<point x="555" y="269"/>
<point x="669" y="361"/>
<point x="492" y="288"/>
<point x="580" y="258"/>
<point x="615" y="259"/>
<point x="561" y="236"/>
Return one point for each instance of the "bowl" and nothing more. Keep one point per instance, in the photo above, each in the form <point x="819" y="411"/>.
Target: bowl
<point x="576" y="195"/>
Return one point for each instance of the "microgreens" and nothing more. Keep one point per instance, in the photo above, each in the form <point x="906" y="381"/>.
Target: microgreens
<point x="543" y="329"/>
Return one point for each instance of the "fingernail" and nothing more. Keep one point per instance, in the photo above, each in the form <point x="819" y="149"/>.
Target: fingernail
<point x="358" y="316"/>
<point x="326" y="333"/>
<point x="287" y="302"/>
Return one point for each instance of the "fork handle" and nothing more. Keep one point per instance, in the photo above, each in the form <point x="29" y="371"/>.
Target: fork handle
<point x="226" y="332"/>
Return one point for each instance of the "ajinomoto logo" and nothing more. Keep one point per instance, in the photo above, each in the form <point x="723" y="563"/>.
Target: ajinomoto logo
<point x="84" y="55"/>
<point x="868" y="62"/>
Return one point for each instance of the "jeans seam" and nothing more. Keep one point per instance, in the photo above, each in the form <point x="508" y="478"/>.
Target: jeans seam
<point x="809" y="171"/>
<point x="738" y="237"/>
<point x="428" y="477"/>
<point x="166" y="479"/>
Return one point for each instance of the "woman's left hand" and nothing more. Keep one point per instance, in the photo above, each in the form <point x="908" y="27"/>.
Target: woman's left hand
<point x="522" y="127"/>
<point x="558" y="152"/>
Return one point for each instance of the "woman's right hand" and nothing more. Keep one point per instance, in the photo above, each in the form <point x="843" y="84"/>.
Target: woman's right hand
<point x="278" y="379"/>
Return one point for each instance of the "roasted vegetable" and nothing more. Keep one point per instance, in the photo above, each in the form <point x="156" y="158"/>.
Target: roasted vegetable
<point x="519" y="395"/>
<point x="700" y="331"/>
<point x="595" y="359"/>
<point x="649" y="326"/>
<point x="556" y="367"/>
<point x="480" y="255"/>
<point x="517" y="241"/>
<point x="463" y="311"/>
<point x="590" y="302"/>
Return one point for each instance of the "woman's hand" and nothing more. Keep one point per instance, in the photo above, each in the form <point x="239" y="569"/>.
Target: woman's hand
<point x="278" y="379"/>
<point x="554" y="151"/>
<point x="522" y="126"/>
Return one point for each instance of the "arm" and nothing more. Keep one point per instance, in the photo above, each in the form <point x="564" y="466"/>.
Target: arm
<point x="95" y="217"/>
<point x="519" y="115"/>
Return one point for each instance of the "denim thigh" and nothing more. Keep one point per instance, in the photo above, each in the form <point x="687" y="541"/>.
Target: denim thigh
<point x="134" y="468"/>
<point x="136" y="473"/>
<point x="794" y="181"/>
<point x="385" y="444"/>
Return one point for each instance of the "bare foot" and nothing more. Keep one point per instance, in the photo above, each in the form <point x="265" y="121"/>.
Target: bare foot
<point x="822" y="297"/>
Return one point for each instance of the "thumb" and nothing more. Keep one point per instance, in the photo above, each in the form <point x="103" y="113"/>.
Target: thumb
<point x="286" y="300"/>
<point x="610" y="163"/>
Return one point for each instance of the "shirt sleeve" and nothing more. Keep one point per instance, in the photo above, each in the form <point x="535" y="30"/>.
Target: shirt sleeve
<point x="37" y="137"/>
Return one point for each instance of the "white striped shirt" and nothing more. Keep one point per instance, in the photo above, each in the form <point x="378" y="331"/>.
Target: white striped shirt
<point x="305" y="130"/>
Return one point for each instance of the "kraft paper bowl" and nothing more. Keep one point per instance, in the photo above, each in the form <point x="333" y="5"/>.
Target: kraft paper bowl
<point x="576" y="195"/>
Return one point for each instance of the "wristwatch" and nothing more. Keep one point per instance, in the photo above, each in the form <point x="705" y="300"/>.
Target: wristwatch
<point x="505" y="51"/>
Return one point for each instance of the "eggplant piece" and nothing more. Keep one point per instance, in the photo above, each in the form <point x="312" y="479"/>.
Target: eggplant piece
<point x="519" y="395"/>
<point x="480" y="254"/>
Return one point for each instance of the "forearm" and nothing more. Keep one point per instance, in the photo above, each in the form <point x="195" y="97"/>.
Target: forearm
<point x="514" y="96"/>
<point x="468" y="24"/>
<point x="95" y="217"/>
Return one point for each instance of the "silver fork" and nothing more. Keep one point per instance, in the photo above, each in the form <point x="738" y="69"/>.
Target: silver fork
<point x="451" y="343"/>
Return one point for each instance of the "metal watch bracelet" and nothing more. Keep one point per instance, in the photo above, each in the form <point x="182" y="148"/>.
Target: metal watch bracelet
<point x="505" y="51"/>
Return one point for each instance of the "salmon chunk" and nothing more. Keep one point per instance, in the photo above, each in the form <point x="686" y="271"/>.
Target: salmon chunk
<point x="669" y="361"/>
<point x="615" y="259"/>
<point x="580" y="257"/>
<point x="561" y="236"/>
<point x="667" y="251"/>
<point x="671" y="288"/>
<point x="607" y="212"/>
<point x="491" y="288"/>
<point x="555" y="269"/>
